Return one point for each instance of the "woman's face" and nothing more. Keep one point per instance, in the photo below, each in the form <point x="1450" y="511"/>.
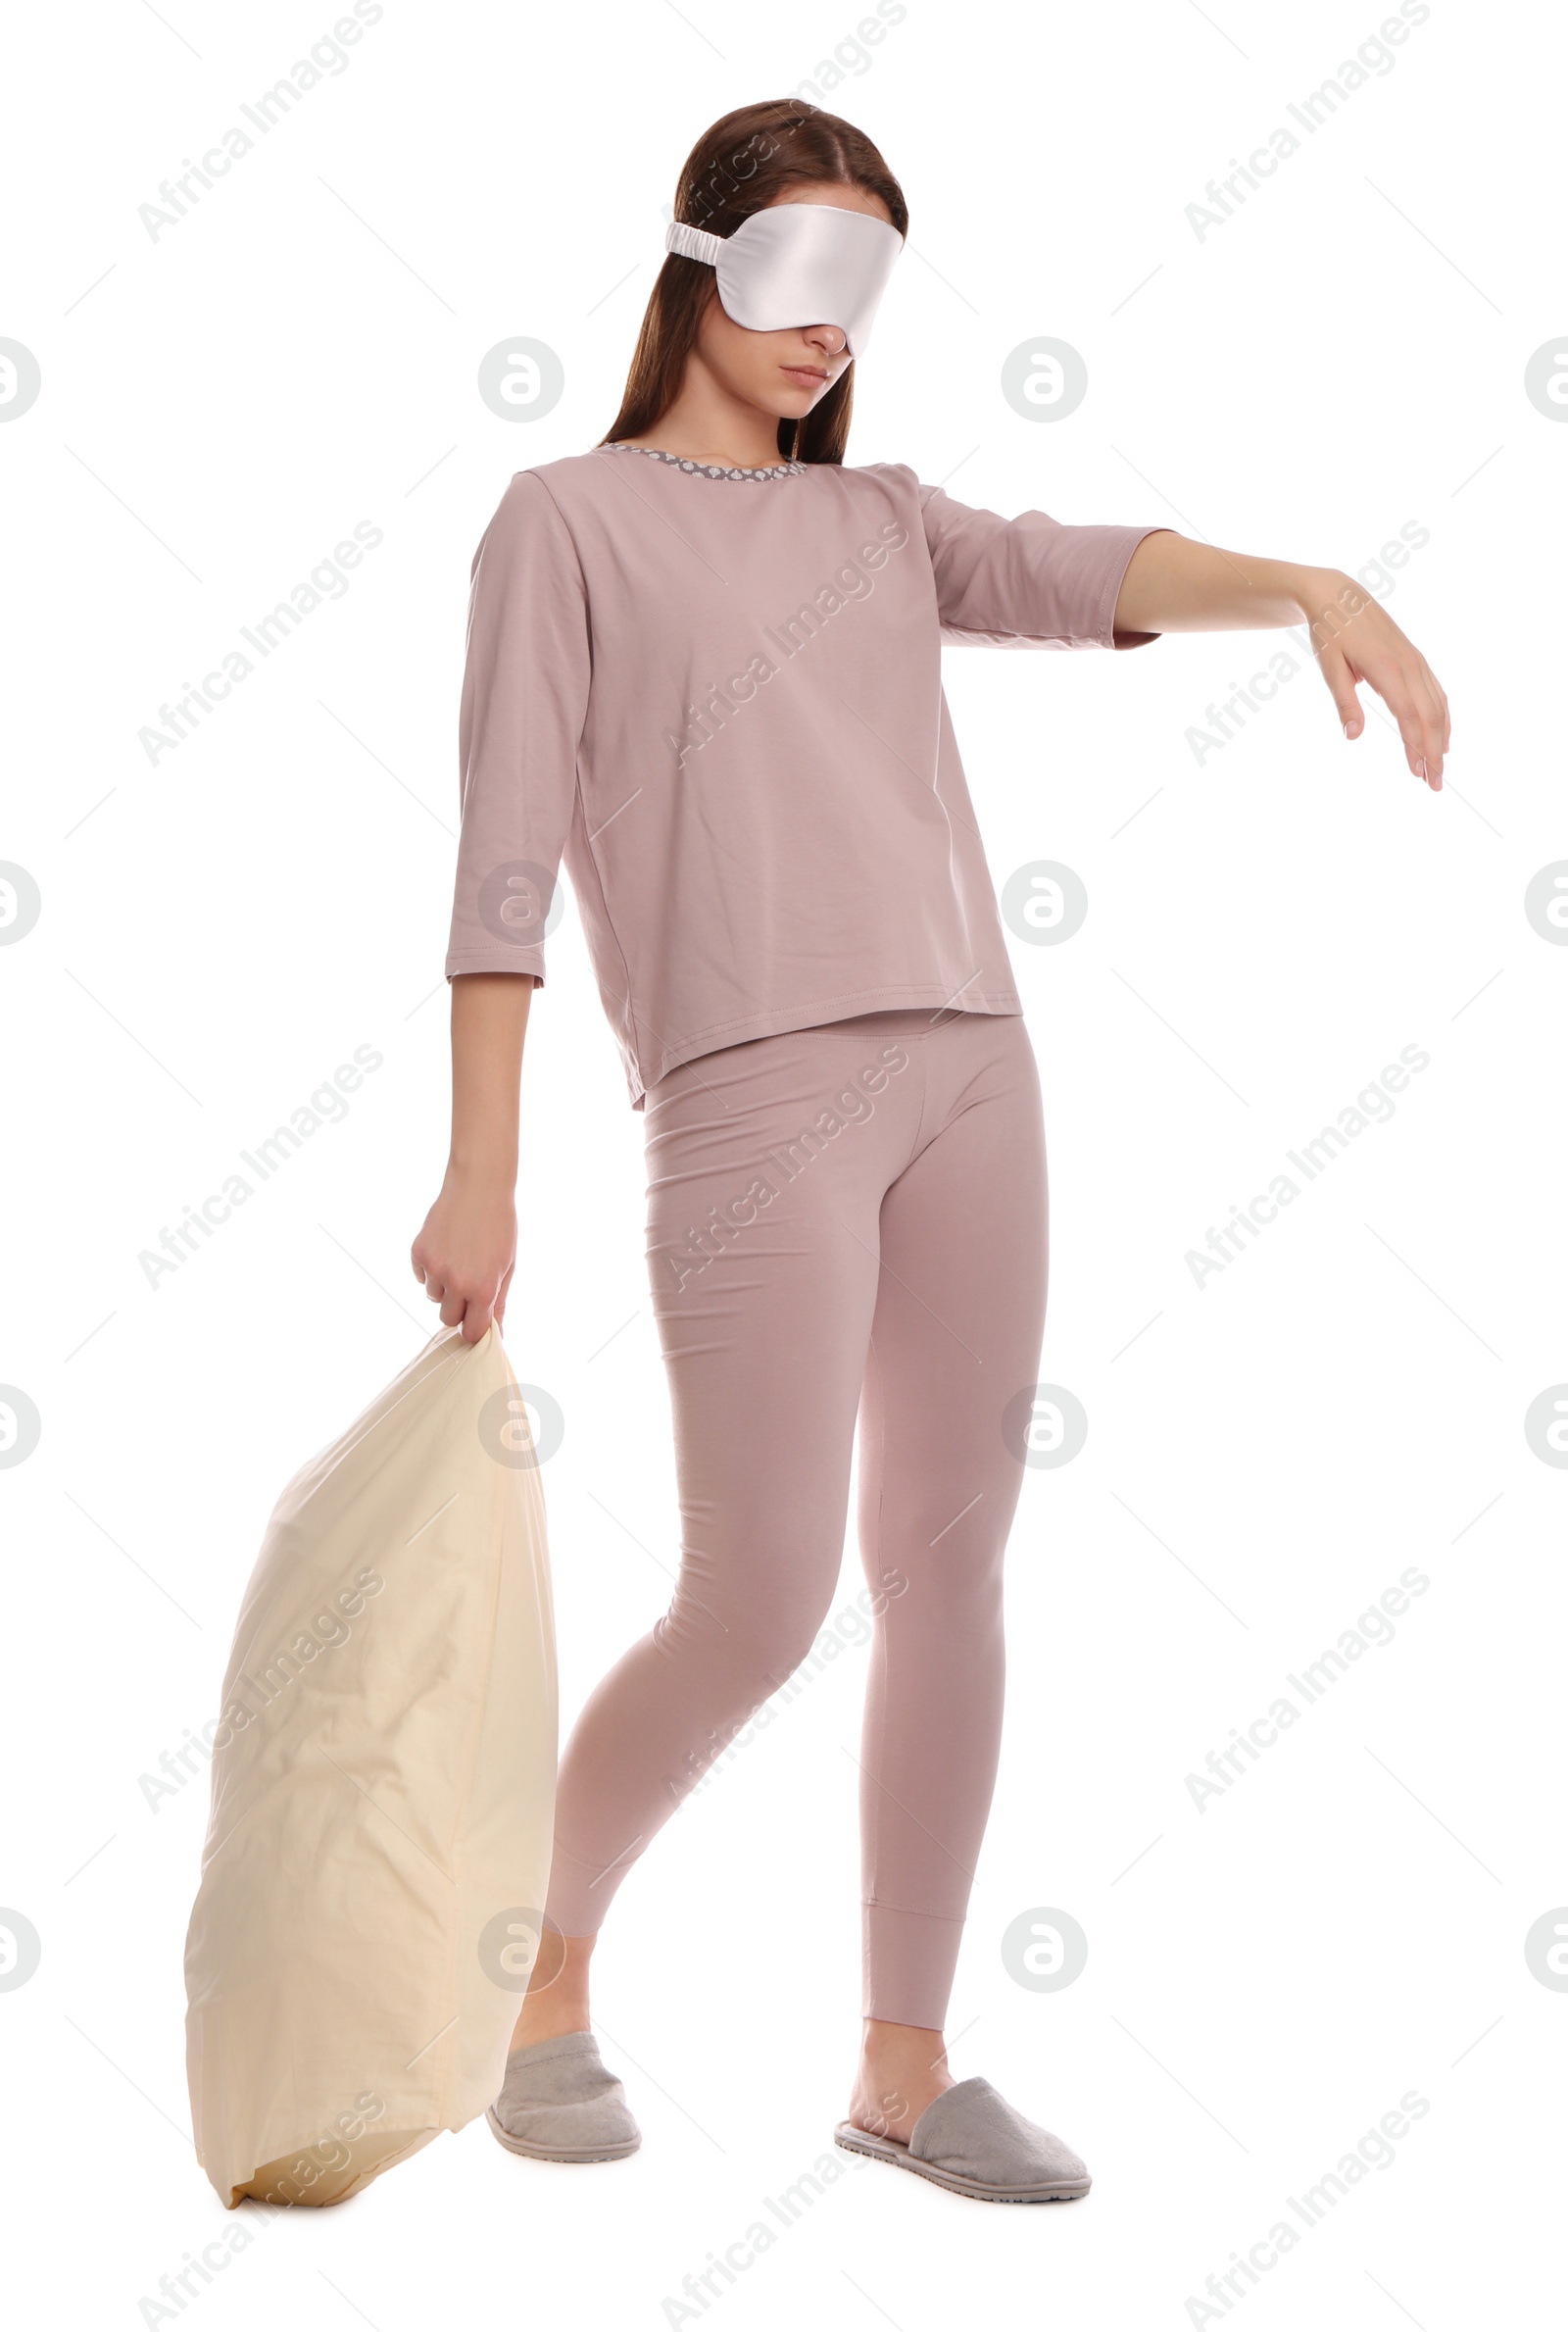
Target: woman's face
<point x="784" y="374"/>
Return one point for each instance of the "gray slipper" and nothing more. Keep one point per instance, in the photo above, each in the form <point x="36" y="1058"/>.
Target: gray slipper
<point x="558" y="2105"/>
<point x="970" y="2140"/>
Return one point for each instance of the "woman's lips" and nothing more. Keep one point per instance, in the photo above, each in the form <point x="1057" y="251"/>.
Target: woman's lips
<point x="807" y="375"/>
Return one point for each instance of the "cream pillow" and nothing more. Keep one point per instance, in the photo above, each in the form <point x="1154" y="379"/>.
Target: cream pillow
<point x="383" y="1791"/>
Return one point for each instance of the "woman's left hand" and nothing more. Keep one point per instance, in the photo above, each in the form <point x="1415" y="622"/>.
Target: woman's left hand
<point x="1354" y="639"/>
<point x="1172" y="584"/>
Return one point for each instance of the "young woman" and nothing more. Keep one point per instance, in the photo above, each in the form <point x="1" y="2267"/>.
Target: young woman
<point x="703" y="672"/>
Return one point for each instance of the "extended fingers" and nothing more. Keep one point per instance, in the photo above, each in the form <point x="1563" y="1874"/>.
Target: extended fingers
<point x="1409" y="688"/>
<point x="1421" y="709"/>
<point x="1436" y="726"/>
<point x="1402" y="702"/>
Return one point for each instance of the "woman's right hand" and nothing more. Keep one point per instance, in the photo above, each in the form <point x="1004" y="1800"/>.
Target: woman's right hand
<point x="466" y="1250"/>
<point x="464" y="1254"/>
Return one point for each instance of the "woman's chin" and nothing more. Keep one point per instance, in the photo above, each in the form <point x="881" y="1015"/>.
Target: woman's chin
<point x="790" y="404"/>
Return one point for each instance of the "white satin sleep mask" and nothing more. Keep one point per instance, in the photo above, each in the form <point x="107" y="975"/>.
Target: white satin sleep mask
<point x="797" y="264"/>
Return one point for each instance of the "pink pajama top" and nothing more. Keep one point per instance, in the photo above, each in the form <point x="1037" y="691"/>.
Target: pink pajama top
<point x="715" y="697"/>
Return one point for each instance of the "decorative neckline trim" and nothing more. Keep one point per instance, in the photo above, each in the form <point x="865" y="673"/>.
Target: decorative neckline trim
<point x="622" y="445"/>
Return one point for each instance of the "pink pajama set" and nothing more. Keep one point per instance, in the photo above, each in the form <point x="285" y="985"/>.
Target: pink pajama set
<point x="715" y="697"/>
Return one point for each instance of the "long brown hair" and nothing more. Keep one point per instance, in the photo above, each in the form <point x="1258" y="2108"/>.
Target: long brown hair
<point x="739" y="165"/>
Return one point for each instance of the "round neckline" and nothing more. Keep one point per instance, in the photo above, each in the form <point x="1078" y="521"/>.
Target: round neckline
<point x="623" y="445"/>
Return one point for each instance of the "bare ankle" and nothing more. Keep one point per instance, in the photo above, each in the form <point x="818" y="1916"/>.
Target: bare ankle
<point x="556" y="1999"/>
<point x="903" y="2067"/>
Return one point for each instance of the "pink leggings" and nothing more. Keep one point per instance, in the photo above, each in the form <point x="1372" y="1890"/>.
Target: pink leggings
<point x="840" y="1219"/>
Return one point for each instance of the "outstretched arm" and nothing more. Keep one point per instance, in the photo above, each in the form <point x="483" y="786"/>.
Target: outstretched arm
<point x="1175" y="585"/>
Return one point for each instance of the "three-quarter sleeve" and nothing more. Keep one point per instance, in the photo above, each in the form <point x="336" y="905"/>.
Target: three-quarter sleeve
<point x="524" y="706"/>
<point x="1029" y="581"/>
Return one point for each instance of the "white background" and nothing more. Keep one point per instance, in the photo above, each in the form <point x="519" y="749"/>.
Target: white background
<point x="1345" y="354"/>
